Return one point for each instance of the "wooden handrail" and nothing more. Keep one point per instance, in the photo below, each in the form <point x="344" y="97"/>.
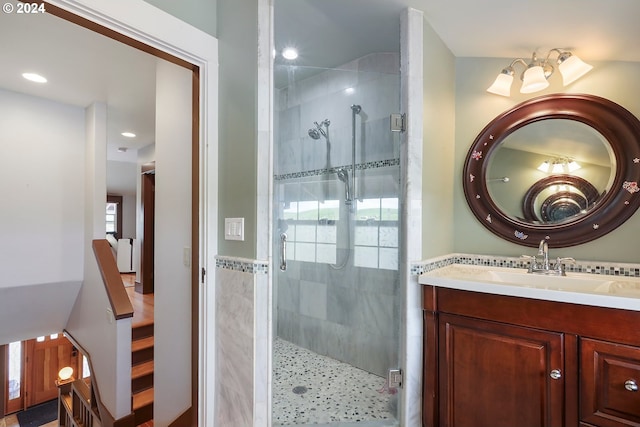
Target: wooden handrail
<point x="120" y="303"/>
<point x="91" y="396"/>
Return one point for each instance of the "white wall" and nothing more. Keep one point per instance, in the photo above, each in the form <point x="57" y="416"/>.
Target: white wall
<point x="41" y="175"/>
<point x="172" y="303"/>
<point x="42" y="227"/>
<point x="475" y="108"/>
<point x="91" y="322"/>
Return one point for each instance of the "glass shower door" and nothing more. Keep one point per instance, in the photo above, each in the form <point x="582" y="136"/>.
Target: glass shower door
<point x="336" y="227"/>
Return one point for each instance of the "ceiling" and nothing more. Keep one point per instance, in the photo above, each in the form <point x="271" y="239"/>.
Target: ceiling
<point x="83" y="67"/>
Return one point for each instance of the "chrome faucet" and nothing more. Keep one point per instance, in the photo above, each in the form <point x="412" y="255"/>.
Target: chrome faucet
<point x="543" y="249"/>
<point x="544" y="266"/>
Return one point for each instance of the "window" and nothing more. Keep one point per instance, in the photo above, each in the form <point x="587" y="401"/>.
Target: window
<point x="312" y="230"/>
<point x="376" y="233"/>
<point x="113" y="219"/>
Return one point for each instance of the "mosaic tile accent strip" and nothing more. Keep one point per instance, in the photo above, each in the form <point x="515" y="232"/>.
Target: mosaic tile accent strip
<point x="591" y="267"/>
<point x="312" y="389"/>
<point x="361" y="166"/>
<point x="242" y="264"/>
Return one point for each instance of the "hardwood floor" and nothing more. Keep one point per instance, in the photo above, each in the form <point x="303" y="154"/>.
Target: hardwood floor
<point x="142" y="307"/>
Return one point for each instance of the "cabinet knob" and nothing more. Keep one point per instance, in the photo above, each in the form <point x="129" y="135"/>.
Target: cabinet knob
<point x="631" y="385"/>
<point x="556" y="374"/>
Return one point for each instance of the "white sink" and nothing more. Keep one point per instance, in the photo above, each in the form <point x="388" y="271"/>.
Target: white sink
<point x="572" y="282"/>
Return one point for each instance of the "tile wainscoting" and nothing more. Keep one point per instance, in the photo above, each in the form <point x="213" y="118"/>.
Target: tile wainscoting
<point x="590" y="267"/>
<point x="242" y="342"/>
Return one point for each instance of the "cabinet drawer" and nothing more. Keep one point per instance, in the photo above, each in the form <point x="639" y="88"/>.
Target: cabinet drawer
<point x="608" y="374"/>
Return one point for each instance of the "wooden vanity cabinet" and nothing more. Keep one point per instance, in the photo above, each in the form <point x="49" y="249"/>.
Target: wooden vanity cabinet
<point x="493" y="361"/>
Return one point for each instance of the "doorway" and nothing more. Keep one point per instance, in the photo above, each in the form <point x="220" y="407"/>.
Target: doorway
<point x="156" y="42"/>
<point x="31" y="370"/>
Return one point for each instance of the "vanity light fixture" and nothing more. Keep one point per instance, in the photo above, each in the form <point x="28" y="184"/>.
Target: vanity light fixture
<point x="557" y="166"/>
<point x="128" y="134"/>
<point x="537" y="72"/>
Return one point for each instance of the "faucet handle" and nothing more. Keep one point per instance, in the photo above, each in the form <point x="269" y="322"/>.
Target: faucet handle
<point x="559" y="267"/>
<point x="533" y="261"/>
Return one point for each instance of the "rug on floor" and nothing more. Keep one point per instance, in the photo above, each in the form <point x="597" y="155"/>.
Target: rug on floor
<point x="39" y="414"/>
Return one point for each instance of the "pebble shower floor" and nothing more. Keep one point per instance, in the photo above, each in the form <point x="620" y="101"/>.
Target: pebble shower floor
<point x="310" y="389"/>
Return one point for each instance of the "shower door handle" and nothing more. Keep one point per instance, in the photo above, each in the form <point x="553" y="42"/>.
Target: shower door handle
<point x="283" y="252"/>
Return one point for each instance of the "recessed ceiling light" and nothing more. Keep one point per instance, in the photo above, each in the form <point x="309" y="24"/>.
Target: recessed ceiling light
<point x="34" y="77"/>
<point x="128" y="134"/>
<point x="289" y="53"/>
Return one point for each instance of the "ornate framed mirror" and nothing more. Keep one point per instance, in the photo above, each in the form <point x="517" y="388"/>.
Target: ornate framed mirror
<point x="561" y="167"/>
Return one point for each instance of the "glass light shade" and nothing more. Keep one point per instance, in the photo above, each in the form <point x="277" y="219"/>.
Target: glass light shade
<point x="533" y="80"/>
<point x="557" y="168"/>
<point x="502" y="85"/>
<point x="572" y="68"/>
<point x="65" y="373"/>
<point x="545" y="167"/>
<point x="573" y="166"/>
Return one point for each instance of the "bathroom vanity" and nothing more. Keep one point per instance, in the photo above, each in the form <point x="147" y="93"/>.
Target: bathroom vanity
<point x="504" y="348"/>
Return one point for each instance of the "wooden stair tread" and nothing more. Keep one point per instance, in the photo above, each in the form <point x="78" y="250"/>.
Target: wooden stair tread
<point x="142" y="343"/>
<point x="143" y="398"/>
<point x="142" y="369"/>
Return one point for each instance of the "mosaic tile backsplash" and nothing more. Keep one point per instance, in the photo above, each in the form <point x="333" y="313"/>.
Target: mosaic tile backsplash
<point x="591" y="267"/>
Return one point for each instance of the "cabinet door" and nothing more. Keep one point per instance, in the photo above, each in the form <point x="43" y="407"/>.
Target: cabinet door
<point x="498" y="375"/>
<point x="609" y="381"/>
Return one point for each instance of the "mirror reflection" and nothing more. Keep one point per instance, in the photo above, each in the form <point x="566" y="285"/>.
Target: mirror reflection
<point x="550" y="171"/>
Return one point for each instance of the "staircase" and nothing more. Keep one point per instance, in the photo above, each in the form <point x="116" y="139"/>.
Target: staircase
<point x="142" y="371"/>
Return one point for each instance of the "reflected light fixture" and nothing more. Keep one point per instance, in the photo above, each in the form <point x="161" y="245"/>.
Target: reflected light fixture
<point x="128" y="134"/>
<point x="559" y="165"/>
<point x="537" y="72"/>
<point x="289" y="53"/>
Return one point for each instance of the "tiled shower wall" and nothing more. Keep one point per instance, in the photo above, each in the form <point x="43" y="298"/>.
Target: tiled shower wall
<point x="350" y="314"/>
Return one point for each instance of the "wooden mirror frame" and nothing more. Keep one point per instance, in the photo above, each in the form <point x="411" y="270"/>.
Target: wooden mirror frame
<point x="615" y="123"/>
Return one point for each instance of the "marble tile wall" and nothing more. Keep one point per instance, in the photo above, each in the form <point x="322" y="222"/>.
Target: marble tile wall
<point x="351" y="315"/>
<point x="372" y="82"/>
<point x="234" y="345"/>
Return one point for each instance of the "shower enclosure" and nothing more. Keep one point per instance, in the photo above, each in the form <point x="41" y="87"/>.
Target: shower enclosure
<point x="336" y="227"/>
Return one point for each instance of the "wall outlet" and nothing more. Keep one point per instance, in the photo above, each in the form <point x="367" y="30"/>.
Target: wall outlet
<point x="234" y="229"/>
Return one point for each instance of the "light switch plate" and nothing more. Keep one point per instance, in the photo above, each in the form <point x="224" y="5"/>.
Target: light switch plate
<point x="234" y="229"/>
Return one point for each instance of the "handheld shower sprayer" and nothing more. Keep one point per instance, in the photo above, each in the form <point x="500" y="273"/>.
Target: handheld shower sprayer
<point x="343" y="176"/>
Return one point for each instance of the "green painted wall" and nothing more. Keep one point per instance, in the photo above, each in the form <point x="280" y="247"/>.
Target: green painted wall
<point x="199" y="13"/>
<point x="238" y="53"/>
<point x="438" y="147"/>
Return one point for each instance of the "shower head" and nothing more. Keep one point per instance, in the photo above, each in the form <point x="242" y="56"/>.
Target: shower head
<point x="313" y="133"/>
<point x="356" y="108"/>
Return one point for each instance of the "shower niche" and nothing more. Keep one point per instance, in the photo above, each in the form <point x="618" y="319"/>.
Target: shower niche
<point x="336" y="199"/>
